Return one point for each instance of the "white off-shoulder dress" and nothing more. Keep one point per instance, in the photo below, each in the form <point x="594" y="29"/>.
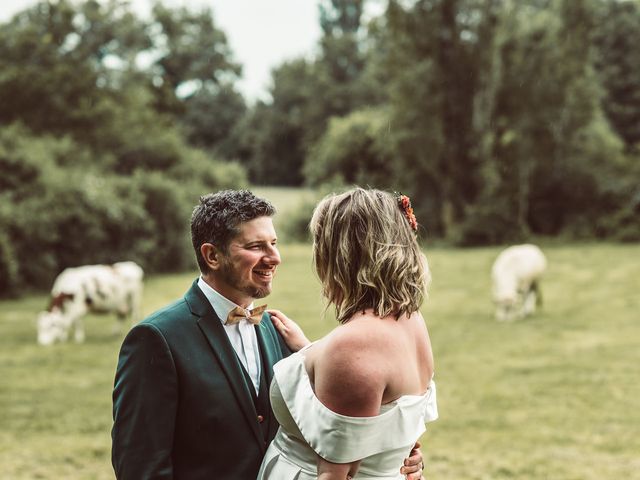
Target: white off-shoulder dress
<point x="308" y="429"/>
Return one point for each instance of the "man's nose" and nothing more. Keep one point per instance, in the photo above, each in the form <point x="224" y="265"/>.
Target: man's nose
<point x="273" y="256"/>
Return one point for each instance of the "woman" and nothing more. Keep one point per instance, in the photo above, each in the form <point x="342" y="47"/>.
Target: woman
<point x="352" y="404"/>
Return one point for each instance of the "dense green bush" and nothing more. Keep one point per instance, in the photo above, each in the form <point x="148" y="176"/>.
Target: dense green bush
<point x="60" y="210"/>
<point x="623" y="224"/>
<point x="487" y="223"/>
<point x="8" y="261"/>
<point x="199" y="173"/>
<point x="24" y="161"/>
<point x="167" y="208"/>
<point x="354" y="150"/>
<point x="295" y="226"/>
<point x="77" y="219"/>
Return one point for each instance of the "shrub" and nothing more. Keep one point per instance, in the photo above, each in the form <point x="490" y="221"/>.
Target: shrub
<point x="168" y="209"/>
<point x="354" y="150"/>
<point x="489" y="222"/>
<point x="295" y="226"/>
<point x="202" y="174"/>
<point x="77" y="219"/>
<point x="8" y="262"/>
<point x="624" y="224"/>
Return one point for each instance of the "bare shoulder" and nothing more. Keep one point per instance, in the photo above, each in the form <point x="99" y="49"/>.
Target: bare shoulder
<point x="350" y="379"/>
<point x="356" y="347"/>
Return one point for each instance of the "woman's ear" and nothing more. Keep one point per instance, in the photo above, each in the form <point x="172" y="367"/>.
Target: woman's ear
<point x="212" y="255"/>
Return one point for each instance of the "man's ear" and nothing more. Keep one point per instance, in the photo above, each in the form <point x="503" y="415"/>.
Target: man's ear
<point x="212" y="255"/>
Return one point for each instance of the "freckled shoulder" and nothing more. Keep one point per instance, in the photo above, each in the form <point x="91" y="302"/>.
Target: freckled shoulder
<point x="349" y="376"/>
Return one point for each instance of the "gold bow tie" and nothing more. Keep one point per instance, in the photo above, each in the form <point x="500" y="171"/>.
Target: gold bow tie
<point x="253" y="316"/>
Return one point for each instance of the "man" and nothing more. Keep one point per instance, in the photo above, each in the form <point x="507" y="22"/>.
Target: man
<point x="191" y="390"/>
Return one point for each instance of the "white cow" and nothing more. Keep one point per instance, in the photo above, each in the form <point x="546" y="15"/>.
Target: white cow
<point x="516" y="275"/>
<point x="76" y="291"/>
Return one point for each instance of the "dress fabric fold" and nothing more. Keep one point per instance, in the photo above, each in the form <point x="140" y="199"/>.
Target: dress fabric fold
<point x="308" y="429"/>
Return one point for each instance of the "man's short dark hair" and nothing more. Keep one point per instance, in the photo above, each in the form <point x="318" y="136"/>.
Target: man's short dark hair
<point x="216" y="218"/>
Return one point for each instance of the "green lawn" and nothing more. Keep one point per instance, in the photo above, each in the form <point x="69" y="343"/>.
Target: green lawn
<point x="552" y="397"/>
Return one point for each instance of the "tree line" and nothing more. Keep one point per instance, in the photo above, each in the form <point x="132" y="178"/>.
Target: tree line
<point x="500" y="118"/>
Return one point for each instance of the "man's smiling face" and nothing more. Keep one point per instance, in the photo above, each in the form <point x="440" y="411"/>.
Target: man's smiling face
<point x="247" y="267"/>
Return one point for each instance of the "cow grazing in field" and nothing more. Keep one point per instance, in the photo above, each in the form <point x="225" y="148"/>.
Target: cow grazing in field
<point x="76" y="291"/>
<point x="516" y="277"/>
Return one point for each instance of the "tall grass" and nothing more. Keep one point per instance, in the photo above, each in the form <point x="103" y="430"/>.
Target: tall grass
<point x="554" y="397"/>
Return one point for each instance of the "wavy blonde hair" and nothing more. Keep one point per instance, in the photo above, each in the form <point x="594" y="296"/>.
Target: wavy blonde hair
<point x="366" y="255"/>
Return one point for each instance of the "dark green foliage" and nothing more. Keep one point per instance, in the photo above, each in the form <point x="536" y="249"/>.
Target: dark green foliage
<point x="272" y="136"/>
<point x="54" y="76"/>
<point x="77" y="219"/>
<point x="167" y="209"/>
<point x="354" y="150"/>
<point x="192" y="49"/>
<point x="488" y="222"/>
<point x="433" y="57"/>
<point x="295" y="227"/>
<point x="210" y="119"/>
<point x="59" y="216"/>
<point x="500" y="119"/>
<point x="624" y="224"/>
<point x="23" y="162"/>
<point x="193" y="77"/>
<point x="279" y="134"/>
<point x="93" y="170"/>
<point x="496" y="114"/>
<point x="617" y="36"/>
<point x="198" y="172"/>
<point x="8" y="261"/>
<point x="494" y="122"/>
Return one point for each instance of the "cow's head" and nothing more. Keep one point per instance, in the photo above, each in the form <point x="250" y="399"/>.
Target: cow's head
<point x="52" y="327"/>
<point x="510" y="307"/>
<point x="505" y="297"/>
<point x="505" y="310"/>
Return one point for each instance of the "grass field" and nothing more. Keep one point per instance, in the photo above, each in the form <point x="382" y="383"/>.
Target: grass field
<point x="553" y="397"/>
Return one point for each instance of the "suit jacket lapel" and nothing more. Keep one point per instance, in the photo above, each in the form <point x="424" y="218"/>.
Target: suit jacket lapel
<point x="213" y="330"/>
<point x="268" y="346"/>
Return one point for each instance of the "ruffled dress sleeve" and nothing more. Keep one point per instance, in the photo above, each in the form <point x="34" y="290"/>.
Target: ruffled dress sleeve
<point x="343" y="439"/>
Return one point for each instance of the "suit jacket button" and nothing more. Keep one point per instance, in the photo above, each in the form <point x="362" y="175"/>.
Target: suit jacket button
<point x="260" y="419"/>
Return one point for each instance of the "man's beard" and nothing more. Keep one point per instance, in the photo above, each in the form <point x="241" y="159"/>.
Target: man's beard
<point x="230" y="277"/>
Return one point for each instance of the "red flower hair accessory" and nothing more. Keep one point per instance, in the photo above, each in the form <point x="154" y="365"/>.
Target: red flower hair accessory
<point x="404" y="203"/>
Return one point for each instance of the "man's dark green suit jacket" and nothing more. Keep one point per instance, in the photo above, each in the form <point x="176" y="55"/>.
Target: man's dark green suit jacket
<point x="181" y="406"/>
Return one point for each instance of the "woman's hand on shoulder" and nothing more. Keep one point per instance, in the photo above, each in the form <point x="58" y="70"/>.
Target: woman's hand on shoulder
<point x="289" y="330"/>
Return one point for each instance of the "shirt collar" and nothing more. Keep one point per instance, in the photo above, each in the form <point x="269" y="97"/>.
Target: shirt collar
<point x="220" y="304"/>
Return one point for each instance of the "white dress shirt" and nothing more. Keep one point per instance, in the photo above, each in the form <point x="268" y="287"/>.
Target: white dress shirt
<point x="242" y="335"/>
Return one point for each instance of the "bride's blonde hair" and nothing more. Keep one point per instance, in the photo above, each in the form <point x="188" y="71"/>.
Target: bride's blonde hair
<point x="367" y="255"/>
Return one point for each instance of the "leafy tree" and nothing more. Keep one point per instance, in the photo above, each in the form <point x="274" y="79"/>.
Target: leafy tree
<point x="546" y="148"/>
<point x="192" y="52"/>
<point x="618" y="65"/>
<point x="354" y="150"/>
<point x="194" y="75"/>
<point x="54" y="73"/>
<point x="79" y="117"/>
<point x="307" y="94"/>
<point x="433" y="60"/>
<point x="272" y="136"/>
<point x="339" y="67"/>
<point x="211" y="118"/>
